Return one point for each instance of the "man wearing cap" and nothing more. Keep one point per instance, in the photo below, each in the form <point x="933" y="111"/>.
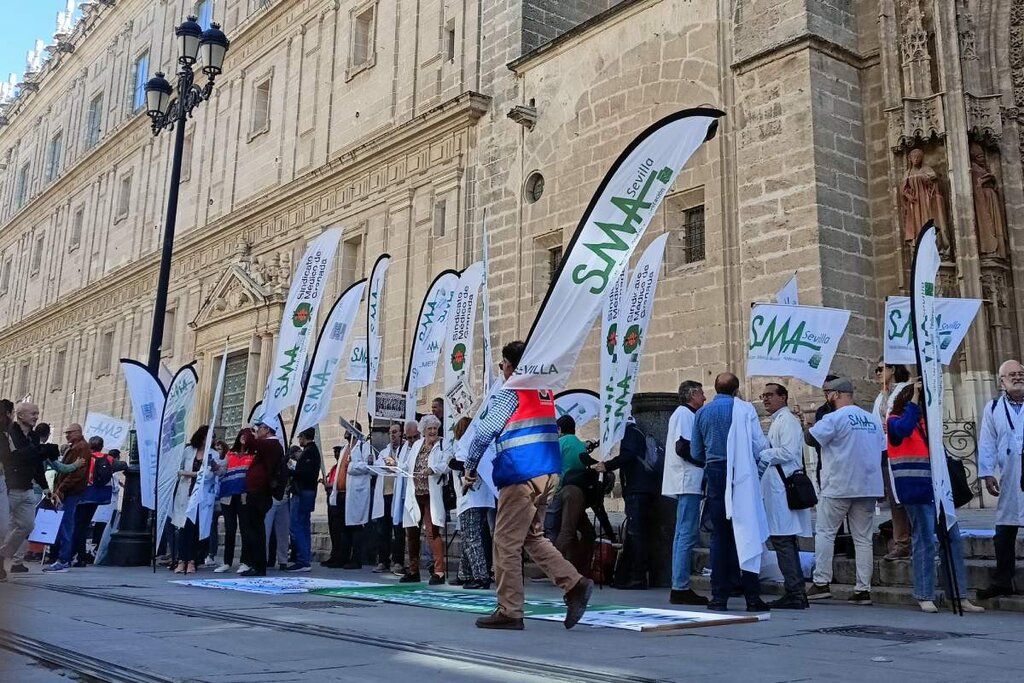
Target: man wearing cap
<point x="278" y="519"/>
<point x="851" y="441"/>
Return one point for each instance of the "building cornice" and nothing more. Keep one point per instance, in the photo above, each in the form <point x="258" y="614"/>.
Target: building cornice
<point x="801" y="43"/>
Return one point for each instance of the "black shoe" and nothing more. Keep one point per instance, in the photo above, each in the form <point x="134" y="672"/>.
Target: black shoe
<point x="717" y="606"/>
<point x="80" y="563"/>
<point x="632" y="586"/>
<point x="252" y="572"/>
<point x="331" y="564"/>
<point x="497" y="620"/>
<point x="790" y="602"/>
<point x="411" y="577"/>
<point x="351" y="565"/>
<point x="476" y="585"/>
<point x="576" y="600"/>
<point x="19" y="568"/>
<point x="436" y="580"/>
<point x="859" y="598"/>
<point x="686" y="597"/>
<point x="758" y="606"/>
<point x="282" y="566"/>
<point x="458" y="582"/>
<point x="3" y="573"/>
<point x="983" y="593"/>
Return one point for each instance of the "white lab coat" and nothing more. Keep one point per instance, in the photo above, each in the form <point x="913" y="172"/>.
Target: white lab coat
<point x="786" y="449"/>
<point x="357" y="488"/>
<point x="435" y="461"/>
<point x="999" y="451"/>
<point x="479" y="496"/>
<point x="680" y="476"/>
<point x="743" y="502"/>
<point x="182" y="493"/>
<point x="398" y="499"/>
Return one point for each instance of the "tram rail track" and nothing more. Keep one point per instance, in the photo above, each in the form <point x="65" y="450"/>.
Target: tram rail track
<point x="532" y="667"/>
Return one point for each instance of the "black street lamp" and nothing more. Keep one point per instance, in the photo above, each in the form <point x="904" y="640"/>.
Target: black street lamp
<point x="130" y="544"/>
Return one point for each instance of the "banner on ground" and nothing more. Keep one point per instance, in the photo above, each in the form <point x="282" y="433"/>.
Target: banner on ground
<point x="299" y="321"/>
<point x="357" y="361"/>
<point x="794" y="341"/>
<point x="331" y="345"/>
<point x="374" y="313"/>
<point x="927" y="346"/>
<point x="181" y="396"/>
<point x="147" y="395"/>
<point x="953" y="317"/>
<point x="605" y="238"/>
<point x="582" y="405"/>
<point x="612" y="368"/>
<point x="458" y="349"/>
<point x="636" y="317"/>
<point x="112" y="430"/>
<point x="788" y="295"/>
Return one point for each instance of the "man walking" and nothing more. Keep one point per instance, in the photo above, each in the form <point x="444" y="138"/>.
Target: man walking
<point x="526" y="468"/>
<point x="1000" y="449"/>
<point x="682" y="481"/>
<point x="23" y="465"/>
<point x="305" y="474"/>
<point x="710" y="446"/>
<point x="67" y="492"/>
<point x="852" y="442"/>
<point x="783" y="457"/>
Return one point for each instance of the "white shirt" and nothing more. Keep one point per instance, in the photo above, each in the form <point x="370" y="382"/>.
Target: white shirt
<point x="680" y="476"/>
<point x="852" y="442"/>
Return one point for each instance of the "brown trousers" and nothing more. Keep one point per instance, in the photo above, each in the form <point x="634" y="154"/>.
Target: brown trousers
<point x="412" y="538"/>
<point x="900" y="522"/>
<point x="520" y="525"/>
<point x="576" y="535"/>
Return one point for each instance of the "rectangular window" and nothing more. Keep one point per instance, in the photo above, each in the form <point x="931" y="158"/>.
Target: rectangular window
<point x="93" y="121"/>
<point x="139" y="77"/>
<point x="260" y="108"/>
<point x="554" y="258"/>
<point x="232" y="405"/>
<point x="186" y="157"/>
<point x="75" y="238"/>
<point x="362" y="37"/>
<point x="23" y="379"/>
<point x="204" y="12"/>
<point x="59" y="361"/>
<point x="440" y="216"/>
<point x="693" y="234"/>
<point x="167" y="342"/>
<point x="21" y="186"/>
<point x="350" y="260"/>
<point x="449" y="40"/>
<point x="5" y="278"/>
<point x="104" y="353"/>
<point x="124" y="196"/>
<point x="547" y="254"/>
<point x="53" y="156"/>
<point x="37" y="253"/>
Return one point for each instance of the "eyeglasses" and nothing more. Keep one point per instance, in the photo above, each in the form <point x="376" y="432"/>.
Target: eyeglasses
<point x="765" y="396"/>
<point x="1014" y="375"/>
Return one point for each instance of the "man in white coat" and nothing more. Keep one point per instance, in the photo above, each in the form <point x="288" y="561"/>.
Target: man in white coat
<point x="784" y="456"/>
<point x="363" y="501"/>
<point x="1000" y="449"/>
<point x="682" y="481"/>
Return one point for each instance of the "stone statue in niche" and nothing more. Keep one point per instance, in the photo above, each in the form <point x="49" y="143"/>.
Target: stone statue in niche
<point x="922" y="200"/>
<point x="988" y="205"/>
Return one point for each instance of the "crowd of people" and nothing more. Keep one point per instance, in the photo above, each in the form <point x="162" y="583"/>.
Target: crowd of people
<point x="549" y="484"/>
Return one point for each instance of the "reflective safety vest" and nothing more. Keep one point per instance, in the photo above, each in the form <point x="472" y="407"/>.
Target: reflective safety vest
<point x="528" y="445"/>
<point x="911" y="467"/>
<point x="233" y="481"/>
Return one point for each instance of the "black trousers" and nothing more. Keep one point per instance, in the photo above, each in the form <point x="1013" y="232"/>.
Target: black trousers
<point x="346" y="541"/>
<point x="254" y="534"/>
<point x="725" y="564"/>
<point x="634" y="564"/>
<point x="787" y="551"/>
<point x="83" y="518"/>
<point x="389" y="539"/>
<point x="232" y="513"/>
<point x="1006" y="556"/>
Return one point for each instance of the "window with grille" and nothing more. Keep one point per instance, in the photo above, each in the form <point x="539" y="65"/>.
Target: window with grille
<point x="684" y="222"/>
<point x="693" y="234"/>
<point x="554" y="258"/>
<point x="75" y="238"/>
<point x="232" y="404"/>
<point x="59" y="361"/>
<point x="104" y="353"/>
<point x="140" y="76"/>
<point x="93" y="121"/>
<point x="547" y="254"/>
<point x="260" y="108"/>
<point x="53" y="156"/>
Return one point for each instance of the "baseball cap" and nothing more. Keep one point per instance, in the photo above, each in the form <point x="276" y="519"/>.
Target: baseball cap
<point x="840" y="384"/>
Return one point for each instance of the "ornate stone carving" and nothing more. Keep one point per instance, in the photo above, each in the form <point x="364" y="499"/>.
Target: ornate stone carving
<point x="922" y="200"/>
<point x="984" y="121"/>
<point x="239" y="288"/>
<point x="274" y="271"/>
<point x="917" y="78"/>
<point x="966" y="31"/>
<point x="918" y="121"/>
<point x="988" y="206"/>
<point x="993" y="288"/>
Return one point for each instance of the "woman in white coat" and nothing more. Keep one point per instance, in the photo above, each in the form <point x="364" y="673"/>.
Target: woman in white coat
<point x="786" y="453"/>
<point x="186" y="533"/>
<point x="424" y="502"/>
<point x="1000" y="449"/>
<point x="360" y="491"/>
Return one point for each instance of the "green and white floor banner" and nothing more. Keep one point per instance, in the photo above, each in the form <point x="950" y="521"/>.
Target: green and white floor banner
<point x="272" y="585"/>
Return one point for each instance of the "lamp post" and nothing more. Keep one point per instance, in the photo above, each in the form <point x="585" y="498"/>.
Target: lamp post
<point x="130" y="544"/>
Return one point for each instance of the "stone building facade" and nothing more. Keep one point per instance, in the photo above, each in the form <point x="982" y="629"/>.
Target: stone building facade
<point x="411" y="123"/>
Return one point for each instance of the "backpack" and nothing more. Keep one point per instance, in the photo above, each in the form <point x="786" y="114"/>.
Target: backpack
<point x="654" y="452"/>
<point x="101" y="470"/>
<point x="279" y="477"/>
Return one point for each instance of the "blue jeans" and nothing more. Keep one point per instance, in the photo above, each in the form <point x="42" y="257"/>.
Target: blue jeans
<point x="302" y="504"/>
<point x="924" y="544"/>
<point x="67" y="529"/>
<point x="687" y="533"/>
<point x="725" y="563"/>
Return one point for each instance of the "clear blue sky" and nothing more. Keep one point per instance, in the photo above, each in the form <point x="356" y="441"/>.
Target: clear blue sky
<point x="23" y="22"/>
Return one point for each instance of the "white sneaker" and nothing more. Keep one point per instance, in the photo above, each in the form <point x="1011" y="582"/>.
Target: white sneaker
<point x="210" y="562"/>
<point x="222" y="569"/>
<point x="929" y="606"/>
<point x="969" y="606"/>
<point x="242" y="568"/>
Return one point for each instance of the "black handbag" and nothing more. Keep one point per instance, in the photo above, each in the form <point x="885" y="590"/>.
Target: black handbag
<point x="448" y="493"/>
<point x="962" y="493"/>
<point x="800" y="493"/>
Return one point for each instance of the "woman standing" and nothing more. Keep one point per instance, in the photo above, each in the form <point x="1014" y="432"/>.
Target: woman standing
<point x="424" y="501"/>
<point x="912" y="484"/>
<point x="186" y="533"/>
<point x="473" y="504"/>
<point x="364" y="497"/>
<point x="232" y="486"/>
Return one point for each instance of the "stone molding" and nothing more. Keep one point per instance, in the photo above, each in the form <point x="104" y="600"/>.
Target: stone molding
<point x="917" y="121"/>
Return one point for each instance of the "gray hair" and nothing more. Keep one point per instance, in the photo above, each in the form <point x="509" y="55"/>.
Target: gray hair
<point x="687" y="389"/>
<point x="429" y="421"/>
<point x="411" y="423"/>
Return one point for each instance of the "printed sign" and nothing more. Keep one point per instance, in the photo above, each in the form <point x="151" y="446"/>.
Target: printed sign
<point x="357" y="361"/>
<point x="110" y="429"/>
<point x="460" y="400"/>
<point x="794" y="341"/>
<point x="953" y="317"/>
<point x="389" y="405"/>
<point x="273" y="585"/>
<point x="581" y="405"/>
